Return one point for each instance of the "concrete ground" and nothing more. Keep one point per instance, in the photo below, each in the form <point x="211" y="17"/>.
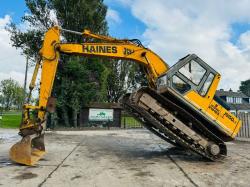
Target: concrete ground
<point x="121" y="158"/>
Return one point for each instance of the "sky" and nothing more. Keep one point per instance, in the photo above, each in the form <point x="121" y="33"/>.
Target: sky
<point x="217" y="31"/>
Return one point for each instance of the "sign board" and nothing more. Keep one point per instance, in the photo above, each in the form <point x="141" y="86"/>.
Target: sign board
<point x="96" y="114"/>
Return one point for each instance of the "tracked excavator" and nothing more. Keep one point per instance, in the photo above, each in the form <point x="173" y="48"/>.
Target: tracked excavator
<point x="179" y="105"/>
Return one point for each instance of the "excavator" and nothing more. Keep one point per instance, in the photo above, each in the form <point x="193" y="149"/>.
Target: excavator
<point x="179" y="105"/>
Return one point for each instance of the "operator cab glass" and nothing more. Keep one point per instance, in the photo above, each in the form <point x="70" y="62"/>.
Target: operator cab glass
<point x="180" y="85"/>
<point x="189" y="73"/>
<point x="193" y="71"/>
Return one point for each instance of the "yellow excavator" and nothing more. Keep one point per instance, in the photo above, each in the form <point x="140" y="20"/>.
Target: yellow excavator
<point x="179" y="105"/>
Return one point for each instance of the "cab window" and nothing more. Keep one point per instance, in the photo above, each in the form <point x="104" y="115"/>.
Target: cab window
<point x="193" y="71"/>
<point x="180" y="85"/>
<point x="162" y="81"/>
<point x="207" y="84"/>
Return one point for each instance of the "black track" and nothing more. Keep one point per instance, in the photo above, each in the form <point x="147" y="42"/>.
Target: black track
<point x="165" y="130"/>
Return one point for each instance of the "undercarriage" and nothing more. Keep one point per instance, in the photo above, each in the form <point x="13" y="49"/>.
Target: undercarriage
<point x="173" y="123"/>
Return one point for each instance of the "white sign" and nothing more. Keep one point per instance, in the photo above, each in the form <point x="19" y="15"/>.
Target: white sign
<point x="100" y="114"/>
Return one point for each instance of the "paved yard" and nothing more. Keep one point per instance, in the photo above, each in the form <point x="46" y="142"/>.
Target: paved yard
<point x="121" y="158"/>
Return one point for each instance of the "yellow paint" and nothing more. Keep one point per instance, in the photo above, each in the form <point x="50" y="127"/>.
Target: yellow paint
<point x="227" y="121"/>
<point x="50" y="59"/>
<point x="127" y="50"/>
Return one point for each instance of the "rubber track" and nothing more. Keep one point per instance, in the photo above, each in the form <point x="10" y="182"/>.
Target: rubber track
<point x="149" y="126"/>
<point x="185" y="116"/>
<point x="162" y="129"/>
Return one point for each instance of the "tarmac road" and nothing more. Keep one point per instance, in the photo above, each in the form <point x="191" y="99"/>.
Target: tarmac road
<point x="121" y="158"/>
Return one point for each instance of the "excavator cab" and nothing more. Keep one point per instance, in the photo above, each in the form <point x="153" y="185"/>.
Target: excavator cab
<point x="196" y="81"/>
<point x="189" y="73"/>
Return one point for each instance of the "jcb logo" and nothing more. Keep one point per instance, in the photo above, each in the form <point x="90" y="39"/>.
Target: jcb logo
<point x="127" y="51"/>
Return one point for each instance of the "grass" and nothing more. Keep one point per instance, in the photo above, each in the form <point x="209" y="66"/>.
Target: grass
<point x="11" y="120"/>
<point x="130" y="122"/>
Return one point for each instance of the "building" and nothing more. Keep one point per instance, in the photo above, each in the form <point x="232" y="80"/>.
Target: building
<point x="235" y="102"/>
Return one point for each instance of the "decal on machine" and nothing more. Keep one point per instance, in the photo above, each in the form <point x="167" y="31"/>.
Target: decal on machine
<point x="214" y="109"/>
<point x="99" y="49"/>
<point x="228" y="116"/>
<point x="127" y="51"/>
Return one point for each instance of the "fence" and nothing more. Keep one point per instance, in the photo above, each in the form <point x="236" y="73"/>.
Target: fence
<point x="245" y="128"/>
<point x="128" y="122"/>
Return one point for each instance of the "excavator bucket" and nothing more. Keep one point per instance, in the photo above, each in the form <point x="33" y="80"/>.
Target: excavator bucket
<point x="28" y="151"/>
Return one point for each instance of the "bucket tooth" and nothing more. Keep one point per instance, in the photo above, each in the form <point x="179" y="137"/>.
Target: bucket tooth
<point x="28" y="151"/>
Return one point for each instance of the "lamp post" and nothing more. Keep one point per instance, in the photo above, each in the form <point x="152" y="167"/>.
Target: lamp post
<point x="25" y="78"/>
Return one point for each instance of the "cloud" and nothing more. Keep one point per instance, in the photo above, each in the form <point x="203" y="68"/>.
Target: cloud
<point x="12" y="64"/>
<point x="244" y="41"/>
<point x="113" y="16"/>
<point x="177" y="28"/>
<point x="5" y="20"/>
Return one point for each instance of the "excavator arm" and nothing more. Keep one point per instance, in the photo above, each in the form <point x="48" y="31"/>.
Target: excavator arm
<point x="31" y="148"/>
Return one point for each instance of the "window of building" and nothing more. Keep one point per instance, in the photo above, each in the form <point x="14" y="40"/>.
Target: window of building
<point x="230" y="100"/>
<point x="193" y="71"/>
<point x="236" y="100"/>
<point x="246" y="100"/>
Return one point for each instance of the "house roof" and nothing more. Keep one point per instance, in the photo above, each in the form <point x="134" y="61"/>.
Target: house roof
<point x="233" y="106"/>
<point x="243" y="106"/>
<point x="230" y="93"/>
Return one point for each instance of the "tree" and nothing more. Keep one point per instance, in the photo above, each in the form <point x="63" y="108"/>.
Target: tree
<point x="89" y="83"/>
<point x="12" y="94"/>
<point x="19" y="95"/>
<point x="75" y="88"/>
<point x="125" y="76"/>
<point x="74" y="15"/>
<point x="1" y="102"/>
<point x="96" y="74"/>
<point x="245" y="87"/>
